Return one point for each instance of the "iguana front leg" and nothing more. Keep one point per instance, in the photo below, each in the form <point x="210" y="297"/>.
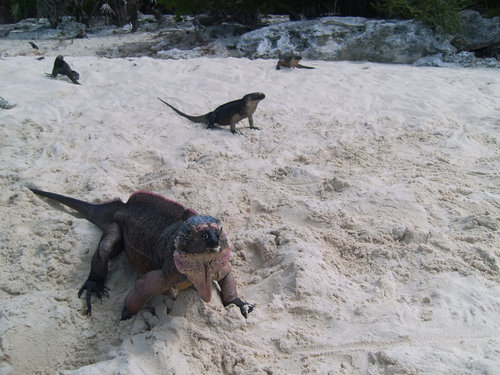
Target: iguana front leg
<point x="230" y="295"/>
<point x="250" y="121"/>
<point x="110" y="245"/>
<point x="153" y="282"/>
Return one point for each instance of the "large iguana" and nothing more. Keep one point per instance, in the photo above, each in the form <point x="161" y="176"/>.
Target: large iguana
<point x="172" y="246"/>
<point x="229" y="113"/>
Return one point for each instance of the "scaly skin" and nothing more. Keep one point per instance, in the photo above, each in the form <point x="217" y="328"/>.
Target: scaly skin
<point x="229" y="113"/>
<point x="173" y="247"/>
<point x="62" y="67"/>
<point x="290" y="60"/>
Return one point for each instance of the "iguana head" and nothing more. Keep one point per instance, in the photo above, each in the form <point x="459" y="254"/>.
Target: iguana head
<point x="255" y="96"/>
<point x="202" y="253"/>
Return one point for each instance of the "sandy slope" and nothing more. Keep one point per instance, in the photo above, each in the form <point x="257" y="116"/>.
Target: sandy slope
<point x="363" y="217"/>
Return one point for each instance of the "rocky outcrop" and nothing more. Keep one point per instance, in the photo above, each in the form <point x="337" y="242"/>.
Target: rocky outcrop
<point x="481" y="35"/>
<point x="347" y="38"/>
<point x="362" y="39"/>
<point x="327" y="38"/>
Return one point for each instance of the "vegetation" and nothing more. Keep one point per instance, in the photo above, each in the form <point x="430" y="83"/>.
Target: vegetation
<point x="53" y="10"/>
<point x="440" y="14"/>
<point x="21" y="9"/>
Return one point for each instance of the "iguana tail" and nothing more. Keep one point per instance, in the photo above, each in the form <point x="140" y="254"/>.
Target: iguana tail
<point x="304" y="67"/>
<point x="202" y="118"/>
<point x="101" y="214"/>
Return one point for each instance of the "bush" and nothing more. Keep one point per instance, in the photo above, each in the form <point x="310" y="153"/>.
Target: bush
<point x="441" y="15"/>
<point x="53" y="10"/>
<point x="20" y="9"/>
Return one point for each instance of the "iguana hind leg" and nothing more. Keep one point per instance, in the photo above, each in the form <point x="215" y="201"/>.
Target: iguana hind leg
<point x="232" y="126"/>
<point x="153" y="282"/>
<point x="211" y="120"/>
<point x="110" y="245"/>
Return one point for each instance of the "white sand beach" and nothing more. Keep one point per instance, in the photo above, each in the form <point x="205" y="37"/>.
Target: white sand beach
<point x="363" y="217"/>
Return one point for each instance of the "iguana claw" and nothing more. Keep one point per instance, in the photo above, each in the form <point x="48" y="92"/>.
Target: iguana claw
<point x="245" y="307"/>
<point x="96" y="287"/>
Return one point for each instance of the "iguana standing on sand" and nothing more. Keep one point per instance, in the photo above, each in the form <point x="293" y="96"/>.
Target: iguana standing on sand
<point x="290" y="60"/>
<point x="63" y="68"/>
<point x="229" y="113"/>
<point x="172" y="246"/>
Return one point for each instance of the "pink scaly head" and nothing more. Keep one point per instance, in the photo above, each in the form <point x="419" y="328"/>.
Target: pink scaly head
<point x="202" y="253"/>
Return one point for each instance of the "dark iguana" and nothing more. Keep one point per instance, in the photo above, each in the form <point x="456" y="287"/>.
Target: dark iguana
<point x="290" y="60"/>
<point x="172" y="246"/>
<point x="63" y="68"/>
<point x="229" y="113"/>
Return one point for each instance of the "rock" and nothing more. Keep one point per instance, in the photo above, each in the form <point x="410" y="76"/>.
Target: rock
<point x="395" y="41"/>
<point x="478" y="32"/>
<point x="39" y="28"/>
<point x="461" y="59"/>
<point x="4" y="103"/>
<point x="347" y="38"/>
<point x="210" y="50"/>
<point x="385" y="41"/>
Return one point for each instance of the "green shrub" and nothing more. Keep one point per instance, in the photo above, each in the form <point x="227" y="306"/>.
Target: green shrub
<point x="53" y="10"/>
<point x="21" y="9"/>
<point x="182" y="7"/>
<point x="441" y="15"/>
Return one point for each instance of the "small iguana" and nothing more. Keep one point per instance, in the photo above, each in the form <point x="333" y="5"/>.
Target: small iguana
<point x="229" y="113"/>
<point x="290" y="60"/>
<point x="172" y="246"/>
<point x="63" y="68"/>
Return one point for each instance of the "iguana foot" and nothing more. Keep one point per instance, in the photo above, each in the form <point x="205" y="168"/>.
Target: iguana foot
<point x="96" y="287"/>
<point x="126" y="314"/>
<point x="245" y="307"/>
